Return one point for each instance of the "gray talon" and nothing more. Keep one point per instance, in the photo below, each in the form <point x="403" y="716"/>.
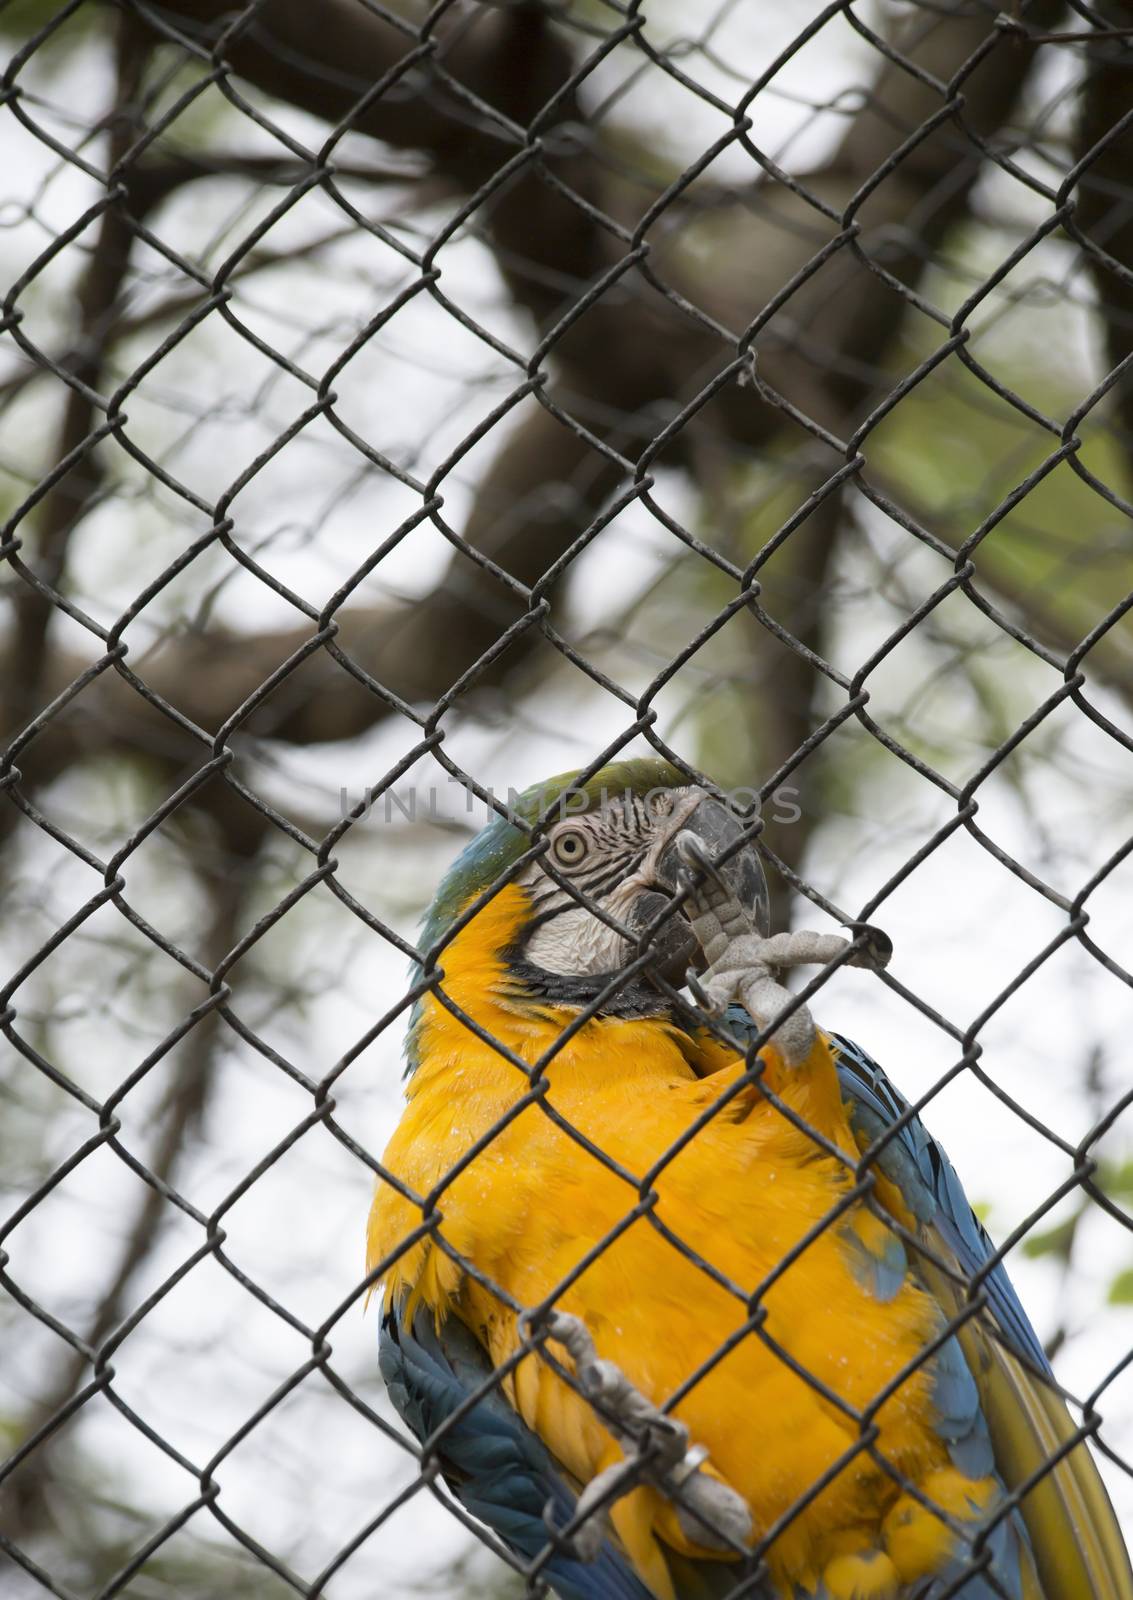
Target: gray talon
<point x="744" y="966"/>
<point x="877" y="951"/>
<point x="656" y="1450"/>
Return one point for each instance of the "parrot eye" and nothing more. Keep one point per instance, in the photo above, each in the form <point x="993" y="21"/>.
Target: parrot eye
<point x="569" y="847"/>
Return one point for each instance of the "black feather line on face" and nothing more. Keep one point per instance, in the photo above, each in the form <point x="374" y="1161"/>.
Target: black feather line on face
<point x="598" y="886"/>
<point x="637" y="997"/>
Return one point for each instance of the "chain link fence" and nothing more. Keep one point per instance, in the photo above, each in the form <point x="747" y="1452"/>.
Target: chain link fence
<point x="400" y="405"/>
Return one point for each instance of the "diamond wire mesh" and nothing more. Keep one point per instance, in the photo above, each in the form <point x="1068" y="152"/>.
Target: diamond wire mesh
<point x="717" y="347"/>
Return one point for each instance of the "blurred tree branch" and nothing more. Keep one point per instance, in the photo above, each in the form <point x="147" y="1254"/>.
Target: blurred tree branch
<point x="98" y="291"/>
<point x="1104" y="210"/>
<point x="27" y="1498"/>
<point x="136" y="192"/>
<point x="636" y="355"/>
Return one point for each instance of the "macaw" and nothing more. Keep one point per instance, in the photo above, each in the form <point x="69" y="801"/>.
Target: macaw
<point x="799" y="1282"/>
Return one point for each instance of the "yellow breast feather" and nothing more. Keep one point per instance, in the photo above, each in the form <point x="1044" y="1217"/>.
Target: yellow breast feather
<point x="745" y="1193"/>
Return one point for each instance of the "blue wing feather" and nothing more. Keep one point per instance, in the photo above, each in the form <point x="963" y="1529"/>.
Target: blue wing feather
<point x="499" y="1470"/>
<point x="1067" y="1527"/>
<point x="915" y="1163"/>
<point x="503" y="1473"/>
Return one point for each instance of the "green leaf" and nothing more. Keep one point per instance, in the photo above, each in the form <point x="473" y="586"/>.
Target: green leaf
<point x="1121" y="1289"/>
<point x="1116" y="1178"/>
<point x="1056" y="1241"/>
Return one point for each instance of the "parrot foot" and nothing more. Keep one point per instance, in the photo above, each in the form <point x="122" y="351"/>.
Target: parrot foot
<point x="657" y="1451"/>
<point x="744" y="966"/>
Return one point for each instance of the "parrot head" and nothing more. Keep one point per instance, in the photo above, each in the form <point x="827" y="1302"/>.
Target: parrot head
<point x="585" y="907"/>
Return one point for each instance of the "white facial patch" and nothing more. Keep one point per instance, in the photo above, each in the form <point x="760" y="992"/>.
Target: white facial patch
<point x="573" y="942"/>
<point x="576" y="942"/>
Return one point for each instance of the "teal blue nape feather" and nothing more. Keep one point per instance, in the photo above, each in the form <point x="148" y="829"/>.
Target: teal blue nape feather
<point x="502" y="841"/>
<point x="505" y="838"/>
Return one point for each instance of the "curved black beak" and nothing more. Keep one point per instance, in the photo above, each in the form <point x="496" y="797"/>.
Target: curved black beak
<point x="735" y="858"/>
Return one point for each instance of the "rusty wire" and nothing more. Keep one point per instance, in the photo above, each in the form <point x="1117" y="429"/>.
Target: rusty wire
<point x="135" y="159"/>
